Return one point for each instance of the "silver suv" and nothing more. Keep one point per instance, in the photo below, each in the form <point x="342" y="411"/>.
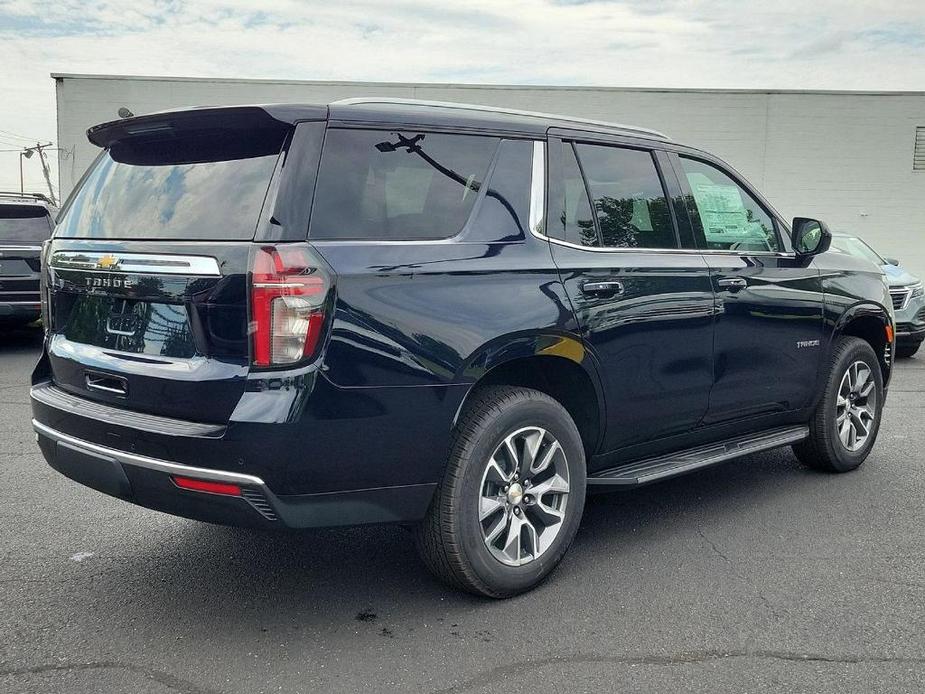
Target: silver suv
<point x="906" y="290"/>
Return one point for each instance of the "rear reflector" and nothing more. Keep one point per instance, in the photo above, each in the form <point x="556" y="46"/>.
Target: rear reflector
<point x="287" y="304"/>
<point x="205" y="486"/>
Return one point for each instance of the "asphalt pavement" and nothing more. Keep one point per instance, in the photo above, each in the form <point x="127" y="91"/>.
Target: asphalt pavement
<point x="755" y="576"/>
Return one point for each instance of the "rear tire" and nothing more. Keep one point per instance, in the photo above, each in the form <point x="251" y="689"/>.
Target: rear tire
<point x="844" y="427"/>
<point x="906" y="351"/>
<point x="512" y="495"/>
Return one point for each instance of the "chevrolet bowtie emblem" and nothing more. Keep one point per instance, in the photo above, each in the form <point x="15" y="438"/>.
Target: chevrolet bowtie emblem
<point x="107" y="262"/>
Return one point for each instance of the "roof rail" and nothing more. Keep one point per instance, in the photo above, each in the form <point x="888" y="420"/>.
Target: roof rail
<point x="17" y="194"/>
<point x="355" y="101"/>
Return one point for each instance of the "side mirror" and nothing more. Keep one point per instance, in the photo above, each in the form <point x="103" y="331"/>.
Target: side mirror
<point x="810" y="236"/>
<point x="891" y="261"/>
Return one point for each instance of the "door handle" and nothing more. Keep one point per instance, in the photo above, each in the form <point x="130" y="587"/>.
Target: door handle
<point x="609" y="288"/>
<point x="733" y="284"/>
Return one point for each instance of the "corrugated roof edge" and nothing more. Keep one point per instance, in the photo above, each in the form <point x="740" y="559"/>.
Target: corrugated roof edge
<point x="474" y="85"/>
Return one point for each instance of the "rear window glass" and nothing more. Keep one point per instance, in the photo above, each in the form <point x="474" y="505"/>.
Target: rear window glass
<point x="856" y="247"/>
<point x="398" y="185"/>
<point x="24" y="223"/>
<point x="202" y="186"/>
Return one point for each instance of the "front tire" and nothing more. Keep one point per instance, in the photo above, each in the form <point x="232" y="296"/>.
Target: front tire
<point x="844" y="427"/>
<point x="511" y="498"/>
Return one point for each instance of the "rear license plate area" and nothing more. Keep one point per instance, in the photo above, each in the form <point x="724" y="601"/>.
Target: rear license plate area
<point x="125" y="325"/>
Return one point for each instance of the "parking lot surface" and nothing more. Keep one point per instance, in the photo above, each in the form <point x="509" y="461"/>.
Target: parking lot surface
<point x="754" y="576"/>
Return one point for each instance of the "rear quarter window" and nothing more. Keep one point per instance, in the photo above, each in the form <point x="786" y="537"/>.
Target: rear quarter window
<point x="391" y="185"/>
<point x="24" y="224"/>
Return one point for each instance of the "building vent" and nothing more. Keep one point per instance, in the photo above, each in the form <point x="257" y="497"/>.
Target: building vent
<point x="918" y="156"/>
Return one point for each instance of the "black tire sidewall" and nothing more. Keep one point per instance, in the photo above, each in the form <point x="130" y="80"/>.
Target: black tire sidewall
<point x="545" y="413"/>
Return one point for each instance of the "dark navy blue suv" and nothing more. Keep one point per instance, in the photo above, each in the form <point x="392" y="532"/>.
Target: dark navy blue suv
<point x="454" y="317"/>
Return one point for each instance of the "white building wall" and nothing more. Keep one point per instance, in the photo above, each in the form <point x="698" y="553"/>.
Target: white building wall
<point x="845" y="157"/>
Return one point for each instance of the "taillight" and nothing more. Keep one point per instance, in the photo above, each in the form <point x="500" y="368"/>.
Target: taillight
<point x="288" y="291"/>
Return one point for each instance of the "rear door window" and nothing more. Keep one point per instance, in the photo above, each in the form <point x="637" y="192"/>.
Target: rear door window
<point x="391" y="185"/>
<point x="577" y="219"/>
<point x="24" y="224"/>
<point x="628" y="197"/>
<point x="204" y="185"/>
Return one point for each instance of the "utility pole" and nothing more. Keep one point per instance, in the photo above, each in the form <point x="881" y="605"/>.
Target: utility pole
<point x="27" y="153"/>
<point x="46" y="171"/>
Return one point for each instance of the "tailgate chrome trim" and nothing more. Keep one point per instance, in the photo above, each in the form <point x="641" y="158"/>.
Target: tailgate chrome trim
<point x="144" y="461"/>
<point x="138" y="263"/>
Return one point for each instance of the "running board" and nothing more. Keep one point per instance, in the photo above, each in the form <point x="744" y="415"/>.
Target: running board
<point x="673" y="464"/>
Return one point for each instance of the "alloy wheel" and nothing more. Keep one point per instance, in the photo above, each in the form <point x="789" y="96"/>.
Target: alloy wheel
<point x="523" y="496"/>
<point x="856" y="406"/>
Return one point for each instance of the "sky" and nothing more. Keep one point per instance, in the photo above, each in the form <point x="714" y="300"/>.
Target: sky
<point x="773" y="44"/>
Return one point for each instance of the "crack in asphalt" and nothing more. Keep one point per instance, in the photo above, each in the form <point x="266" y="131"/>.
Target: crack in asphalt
<point x="754" y="586"/>
<point x="492" y="676"/>
<point x="170" y="681"/>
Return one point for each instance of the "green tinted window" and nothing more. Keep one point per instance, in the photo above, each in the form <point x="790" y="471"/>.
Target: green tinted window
<point x="726" y="216"/>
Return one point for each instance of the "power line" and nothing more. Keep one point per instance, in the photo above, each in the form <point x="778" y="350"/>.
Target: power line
<point x="18" y="136"/>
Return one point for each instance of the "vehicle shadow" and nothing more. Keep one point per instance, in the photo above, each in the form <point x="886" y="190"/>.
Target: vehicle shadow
<point x="20" y="340"/>
<point x="324" y="580"/>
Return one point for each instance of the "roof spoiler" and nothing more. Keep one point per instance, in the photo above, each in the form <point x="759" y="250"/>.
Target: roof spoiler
<point x="167" y="123"/>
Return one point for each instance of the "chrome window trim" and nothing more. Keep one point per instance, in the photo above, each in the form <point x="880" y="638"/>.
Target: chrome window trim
<point x="687" y="251"/>
<point x="20" y="248"/>
<point x="538" y="188"/>
<point x="144" y="461"/>
<point x="449" y="241"/>
<point x="138" y="263"/>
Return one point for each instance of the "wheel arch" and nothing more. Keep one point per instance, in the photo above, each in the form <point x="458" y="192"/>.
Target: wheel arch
<point x="559" y="365"/>
<point x="870" y="323"/>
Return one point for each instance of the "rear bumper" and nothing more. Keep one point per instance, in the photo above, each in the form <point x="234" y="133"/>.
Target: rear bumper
<point x="910" y="322"/>
<point x="909" y="334"/>
<point x="149" y="482"/>
<point x="16" y="310"/>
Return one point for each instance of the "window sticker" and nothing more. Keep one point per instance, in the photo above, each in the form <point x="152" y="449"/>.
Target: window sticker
<point x="723" y="213"/>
